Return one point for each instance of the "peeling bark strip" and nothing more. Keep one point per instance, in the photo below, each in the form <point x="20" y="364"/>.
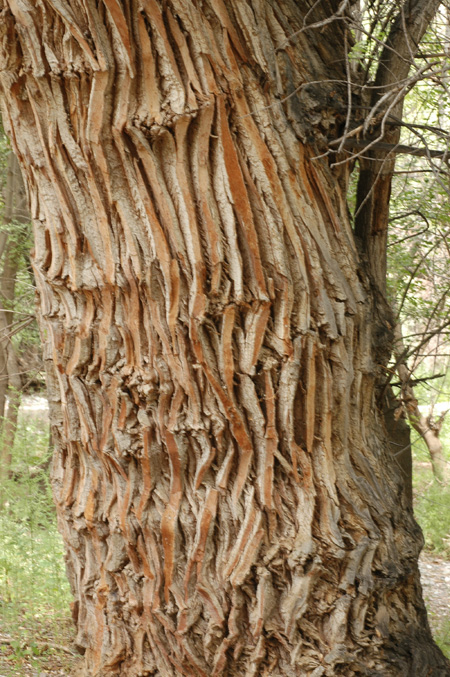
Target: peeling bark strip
<point x="221" y="471"/>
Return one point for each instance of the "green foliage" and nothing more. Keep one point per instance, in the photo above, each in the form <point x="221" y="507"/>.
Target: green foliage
<point x="442" y="636"/>
<point x="432" y="499"/>
<point x="432" y="510"/>
<point x="418" y="250"/>
<point x="4" y="150"/>
<point x="16" y="243"/>
<point x="34" y="592"/>
<point x="358" y="52"/>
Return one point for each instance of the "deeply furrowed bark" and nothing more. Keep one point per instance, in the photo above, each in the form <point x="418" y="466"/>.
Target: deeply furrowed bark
<point x="221" y="470"/>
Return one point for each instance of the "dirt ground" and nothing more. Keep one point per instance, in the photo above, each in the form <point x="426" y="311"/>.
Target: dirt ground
<point x="435" y="577"/>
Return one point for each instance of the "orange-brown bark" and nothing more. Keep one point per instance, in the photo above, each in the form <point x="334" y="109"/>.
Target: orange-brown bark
<point x="221" y="473"/>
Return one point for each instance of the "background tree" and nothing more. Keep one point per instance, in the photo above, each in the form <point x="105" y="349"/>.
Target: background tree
<point x="17" y="358"/>
<point x="418" y="280"/>
<point x="218" y="335"/>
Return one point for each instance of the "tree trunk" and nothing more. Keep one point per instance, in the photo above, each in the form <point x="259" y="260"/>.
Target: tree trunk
<point x="429" y="428"/>
<point x="8" y="215"/>
<point x="15" y="214"/>
<point x="214" y="347"/>
<point x="399" y="434"/>
<point x="408" y="407"/>
<point x="391" y="86"/>
<point x="386" y="99"/>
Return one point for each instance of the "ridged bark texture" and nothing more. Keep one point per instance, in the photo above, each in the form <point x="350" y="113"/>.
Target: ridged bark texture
<point x="221" y="473"/>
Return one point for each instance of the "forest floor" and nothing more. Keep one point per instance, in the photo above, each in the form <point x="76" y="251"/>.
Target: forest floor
<point x="36" y="652"/>
<point x="435" y="578"/>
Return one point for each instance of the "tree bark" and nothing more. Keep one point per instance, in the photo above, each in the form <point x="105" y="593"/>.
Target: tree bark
<point x="429" y="428"/>
<point x="408" y="407"/>
<point x="377" y="167"/>
<point x="214" y="346"/>
<point x="8" y="216"/>
<point x="387" y="97"/>
<point x="15" y="214"/>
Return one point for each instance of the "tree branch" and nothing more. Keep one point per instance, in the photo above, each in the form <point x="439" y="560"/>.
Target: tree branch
<point x="394" y="148"/>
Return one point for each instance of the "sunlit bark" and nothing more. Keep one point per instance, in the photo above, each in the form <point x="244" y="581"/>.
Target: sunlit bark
<point x="221" y="472"/>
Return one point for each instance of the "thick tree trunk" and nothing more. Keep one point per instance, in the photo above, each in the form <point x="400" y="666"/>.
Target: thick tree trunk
<point x="221" y="471"/>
